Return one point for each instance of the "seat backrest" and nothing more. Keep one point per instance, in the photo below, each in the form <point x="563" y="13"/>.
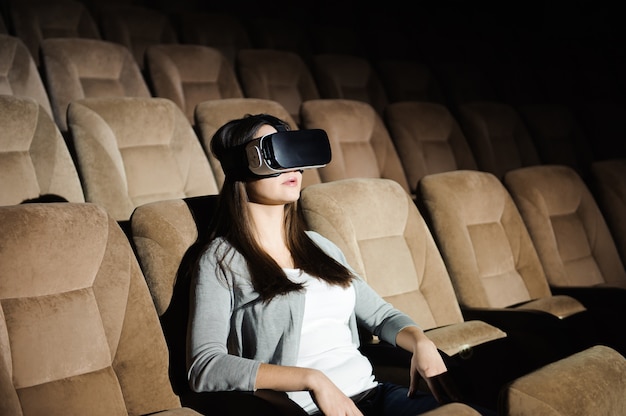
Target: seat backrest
<point x="80" y="331"/>
<point x="566" y="225"/>
<point x="80" y="68"/>
<point x="18" y="73"/>
<point x="190" y="74"/>
<point x="36" y="20"/>
<point x="136" y="27"/>
<point x="428" y="139"/>
<point x="223" y="31"/>
<point x="481" y="235"/>
<point x="559" y="390"/>
<point x="408" y="80"/>
<point x="385" y="239"/>
<point x="349" y="77"/>
<point x="168" y="236"/>
<point x="276" y="75"/>
<point x="608" y="178"/>
<point x="558" y="136"/>
<point x="34" y="157"/>
<point x="213" y="114"/>
<point x="498" y="137"/>
<point x="135" y="150"/>
<point x="359" y="140"/>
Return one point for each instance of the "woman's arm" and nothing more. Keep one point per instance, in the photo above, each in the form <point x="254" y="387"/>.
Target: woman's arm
<point x="330" y="400"/>
<point x="426" y="361"/>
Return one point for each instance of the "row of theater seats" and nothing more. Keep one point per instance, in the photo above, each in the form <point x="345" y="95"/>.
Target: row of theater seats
<point x="101" y="313"/>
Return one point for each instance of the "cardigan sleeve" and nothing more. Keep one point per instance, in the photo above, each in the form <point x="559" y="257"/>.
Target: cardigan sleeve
<point x="210" y="366"/>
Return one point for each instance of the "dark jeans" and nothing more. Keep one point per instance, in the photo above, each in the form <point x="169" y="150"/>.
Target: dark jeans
<point x="390" y="399"/>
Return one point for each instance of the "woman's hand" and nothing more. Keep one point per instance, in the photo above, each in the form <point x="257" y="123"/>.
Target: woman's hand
<point x="330" y="400"/>
<point x="426" y="362"/>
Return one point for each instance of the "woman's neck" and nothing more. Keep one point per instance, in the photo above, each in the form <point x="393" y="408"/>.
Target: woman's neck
<point x="269" y="223"/>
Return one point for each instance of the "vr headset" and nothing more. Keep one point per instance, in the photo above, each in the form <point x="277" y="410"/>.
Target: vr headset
<point x="279" y="152"/>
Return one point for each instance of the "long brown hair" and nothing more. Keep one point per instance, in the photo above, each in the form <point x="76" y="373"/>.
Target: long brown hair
<point x="232" y="222"/>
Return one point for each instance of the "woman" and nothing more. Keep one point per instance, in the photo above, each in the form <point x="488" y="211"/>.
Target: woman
<point x="276" y="307"/>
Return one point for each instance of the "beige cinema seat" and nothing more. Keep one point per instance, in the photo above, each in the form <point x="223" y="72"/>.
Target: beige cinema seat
<point x="498" y="137"/>
<point x="34" y="158"/>
<point x="428" y="139"/>
<point x="349" y="77"/>
<point x="136" y="27"/>
<point x="80" y="334"/>
<point x="190" y="74"/>
<point x="494" y="267"/>
<point x="81" y="68"/>
<point x="19" y="74"/>
<point x="36" y="20"/>
<point x="573" y="241"/>
<point x="278" y="75"/>
<point x="133" y="150"/>
<point x="360" y="142"/>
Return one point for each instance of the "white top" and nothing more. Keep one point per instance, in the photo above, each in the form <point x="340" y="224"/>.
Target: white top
<point x="326" y="340"/>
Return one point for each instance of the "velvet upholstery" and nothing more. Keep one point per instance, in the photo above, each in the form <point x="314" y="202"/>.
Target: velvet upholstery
<point x="494" y="266"/>
<point x="80" y="68"/>
<point x="590" y="383"/>
<point x="211" y="115"/>
<point x="223" y="31"/>
<point x="134" y="150"/>
<point x="360" y="142"/>
<point x="136" y="27"/>
<point x="36" y="20"/>
<point x="349" y="77"/>
<point x="408" y="80"/>
<point x="277" y="75"/>
<point x="498" y="137"/>
<point x="34" y="157"/>
<point x="80" y="334"/>
<point x="18" y="73"/>
<point x="609" y="189"/>
<point x="428" y="139"/>
<point x="566" y="225"/>
<point x="190" y="74"/>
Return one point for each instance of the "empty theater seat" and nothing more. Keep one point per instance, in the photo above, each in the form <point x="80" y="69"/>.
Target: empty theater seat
<point x="80" y="68"/>
<point x="133" y="150"/>
<point x="80" y="332"/>
<point x="359" y="140"/>
<point x="35" y="158"/>
<point x="190" y="74"/>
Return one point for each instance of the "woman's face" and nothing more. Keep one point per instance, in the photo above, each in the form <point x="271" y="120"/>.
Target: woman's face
<point x="278" y="190"/>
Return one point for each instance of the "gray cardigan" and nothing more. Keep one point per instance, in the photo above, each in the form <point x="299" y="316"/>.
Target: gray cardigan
<point x="231" y="331"/>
